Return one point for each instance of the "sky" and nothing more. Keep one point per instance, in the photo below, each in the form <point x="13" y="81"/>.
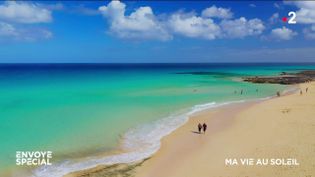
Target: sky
<point x="156" y="31"/>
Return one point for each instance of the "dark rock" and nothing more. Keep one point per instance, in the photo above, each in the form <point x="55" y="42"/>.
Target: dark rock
<point x="284" y="78"/>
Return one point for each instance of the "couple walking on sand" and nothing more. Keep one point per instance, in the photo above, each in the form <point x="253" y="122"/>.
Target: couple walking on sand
<point x="203" y="126"/>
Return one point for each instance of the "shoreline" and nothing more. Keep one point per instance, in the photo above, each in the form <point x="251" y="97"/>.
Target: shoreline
<point x="125" y="168"/>
<point x="241" y="104"/>
<point x="276" y="128"/>
<point x="88" y="164"/>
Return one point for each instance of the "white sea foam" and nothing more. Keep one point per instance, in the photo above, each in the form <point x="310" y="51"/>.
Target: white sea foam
<point x="139" y="143"/>
<point x="291" y="89"/>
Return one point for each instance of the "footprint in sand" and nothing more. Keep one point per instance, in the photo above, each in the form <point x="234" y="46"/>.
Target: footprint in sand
<point x="286" y="110"/>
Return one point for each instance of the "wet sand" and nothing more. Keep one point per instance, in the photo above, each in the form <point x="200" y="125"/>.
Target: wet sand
<point x="281" y="127"/>
<point x="277" y="128"/>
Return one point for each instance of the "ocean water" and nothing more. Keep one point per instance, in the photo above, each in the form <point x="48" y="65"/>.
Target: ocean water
<point x="82" y="110"/>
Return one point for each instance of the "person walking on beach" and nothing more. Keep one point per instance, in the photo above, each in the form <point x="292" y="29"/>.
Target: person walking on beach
<point x="199" y="128"/>
<point x="301" y="92"/>
<point x="242" y="92"/>
<point x="306" y="89"/>
<point x="204" y="128"/>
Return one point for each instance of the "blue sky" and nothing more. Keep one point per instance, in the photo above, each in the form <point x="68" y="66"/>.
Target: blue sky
<point x="155" y="32"/>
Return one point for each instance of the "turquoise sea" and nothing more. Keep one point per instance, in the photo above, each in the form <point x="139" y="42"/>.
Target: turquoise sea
<point x="82" y="110"/>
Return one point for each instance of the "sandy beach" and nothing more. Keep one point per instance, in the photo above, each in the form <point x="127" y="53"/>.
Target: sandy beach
<point x="278" y="128"/>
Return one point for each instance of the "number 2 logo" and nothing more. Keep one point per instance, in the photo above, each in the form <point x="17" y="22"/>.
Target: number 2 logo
<point x="292" y="16"/>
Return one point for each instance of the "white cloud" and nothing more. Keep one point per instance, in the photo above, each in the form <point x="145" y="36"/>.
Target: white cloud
<point x="305" y="15"/>
<point x="309" y="33"/>
<point x="140" y="24"/>
<point x="16" y="19"/>
<point x="34" y="34"/>
<point x="7" y="30"/>
<point x="217" y="12"/>
<point x="190" y="25"/>
<point x="276" y="5"/>
<point x="52" y="7"/>
<point x="282" y="33"/>
<point x="22" y="12"/>
<point x="274" y="18"/>
<point x="306" y="12"/>
<point x="82" y="9"/>
<point x="45" y="34"/>
<point x="252" y="5"/>
<point x="242" y="27"/>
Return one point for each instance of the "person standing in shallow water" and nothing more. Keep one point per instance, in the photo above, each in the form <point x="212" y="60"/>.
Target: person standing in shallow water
<point x="199" y="128"/>
<point x="204" y="128"/>
<point x="278" y="94"/>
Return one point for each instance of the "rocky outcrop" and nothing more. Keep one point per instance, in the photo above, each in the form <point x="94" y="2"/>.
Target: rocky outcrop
<point x="284" y="78"/>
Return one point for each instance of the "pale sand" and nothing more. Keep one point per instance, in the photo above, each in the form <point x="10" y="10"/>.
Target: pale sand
<point x="282" y="127"/>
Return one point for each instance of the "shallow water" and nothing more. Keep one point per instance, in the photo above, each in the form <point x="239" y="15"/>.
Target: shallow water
<point x="80" y="110"/>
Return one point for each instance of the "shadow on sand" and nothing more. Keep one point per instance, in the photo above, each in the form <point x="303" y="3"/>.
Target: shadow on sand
<point x="195" y="132"/>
